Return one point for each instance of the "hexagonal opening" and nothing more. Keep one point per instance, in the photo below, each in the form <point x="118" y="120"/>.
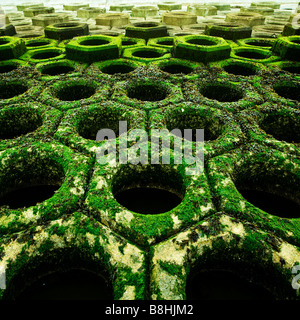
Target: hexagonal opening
<point x="239" y="69"/>
<point x="30" y="181"/>
<point x="223" y="92"/>
<point x="297" y="41"/>
<point x="45" y="55"/>
<point x="259" y="43"/>
<point x="5" y="68"/>
<point x="66" y="25"/>
<point x="175" y="68"/>
<point x="73" y="284"/>
<point x="10" y="89"/>
<point x="94" y="42"/>
<point x="195" y="119"/>
<point x="282" y="126"/>
<point x="4" y="41"/>
<point x="143" y="53"/>
<point x="224" y="285"/>
<point x="169" y="42"/>
<point x="288" y="90"/>
<point x="201" y="42"/>
<point x="148" y="189"/>
<point x="273" y="191"/>
<point x="17" y="121"/>
<point x="56" y="68"/>
<point x="291" y="69"/>
<point x="115" y="68"/>
<point x="37" y="43"/>
<point x="251" y="54"/>
<point x="146" y="24"/>
<point x="74" y="92"/>
<point x="147" y="91"/>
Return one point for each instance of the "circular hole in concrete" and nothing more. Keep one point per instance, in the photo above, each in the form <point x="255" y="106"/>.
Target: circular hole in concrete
<point x="201" y="42"/>
<point x="93" y="120"/>
<point x="166" y="42"/>
<point x="30" y="181"/>
<point x="45" y="55"/>
<point x="38" y="43"/>
<point x="94" y="42"/>
<point x="146" y="24"/>
<point x="291" y="69"/>
<point x="74" y="284"/>
<point x="250" y="54"/>
<point x="10" y="89"/>
<point x="297" y="41"/>
<point x="66" y="25"/>
<point x="18" y="121"/>
<point x="259" y="43"/>
<point x="142" y="53"/>
<point x="5" y="68"/>
<point x="239" y="69"/>
<point x="56" y="69"/>
<point x="3" y="42"/>
<point x="224" y="285"/>
<point x="194" y="120"/>
<point x="147" y="92"/>
<point x="275" y="193"/>
<point x="117" y="68"/>
<point x="148" y="190"/>
<point x="222" y="92"/>
<point x="75" y="92"/>
<point x="175" y="68"/>
<point x="288" y="90"/>
<point x="284" y="127"/>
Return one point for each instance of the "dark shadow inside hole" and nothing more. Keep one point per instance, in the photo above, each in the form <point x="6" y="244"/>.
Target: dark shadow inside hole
<point x="201" y="42"/>
<point x="147" y="92"/>
<point x="27" y="196"/>
<point x="10" y="90"/>
<point x="90" y="125"/>
<point x="240" y="70"/>
<point x="8" y="68"/>
<point x="259" y="43"/>
<point x="281" y="127"/>
<point x="38" y="44"/>
<point x="175" y="68"/>
<point x="251" y="54"/>
<point x="74" y="284"/>
<point x="222" y="93"/>
<point x="75" y="92"/>
<point x="17" y="122"/>
<point x="94" y="42"/>
<point x="147" y="54"/>
<point x="166" y="42"/>
<point x="57" y="69"/>
<point x="274" y="204"/>
<point x="291" y="69"/>
<point x="117" y="68"/>
<point x="146" y="200"/>
<point x="3" y="41"/>
<point x="45" y="55"/>
<point x="288" y="91"/>
<point x="224" y="285"/>
<point x="128" y="42"/>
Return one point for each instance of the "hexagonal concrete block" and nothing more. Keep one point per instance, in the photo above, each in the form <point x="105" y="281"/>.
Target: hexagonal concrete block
<point x="146" y="30"/>
<point x="180" y="18"/>
<point x="228" y="31"/>
<point x="67" y="30"/>
<point x="7" y="30"/>
<point x="144" y="11"/>
<point x="112" y="19"/>
<point x="90" y="12"/>
<point x="94" y="48"/>
<point x="23" y="6"/>
<point x="34" y="11"/>
<point x="288" y="47"/>
<point x="74" y="6"/>
<point x="11" y="47"/>
<point x="201" y="48"/>
<point x="246" y="18"/>
<point x="121" y="7"/>
<point x="43" y="20"/>
<point x="169" y="5"/>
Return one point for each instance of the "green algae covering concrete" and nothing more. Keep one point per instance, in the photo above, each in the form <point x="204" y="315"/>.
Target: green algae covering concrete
<point x="150" y="229"/>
